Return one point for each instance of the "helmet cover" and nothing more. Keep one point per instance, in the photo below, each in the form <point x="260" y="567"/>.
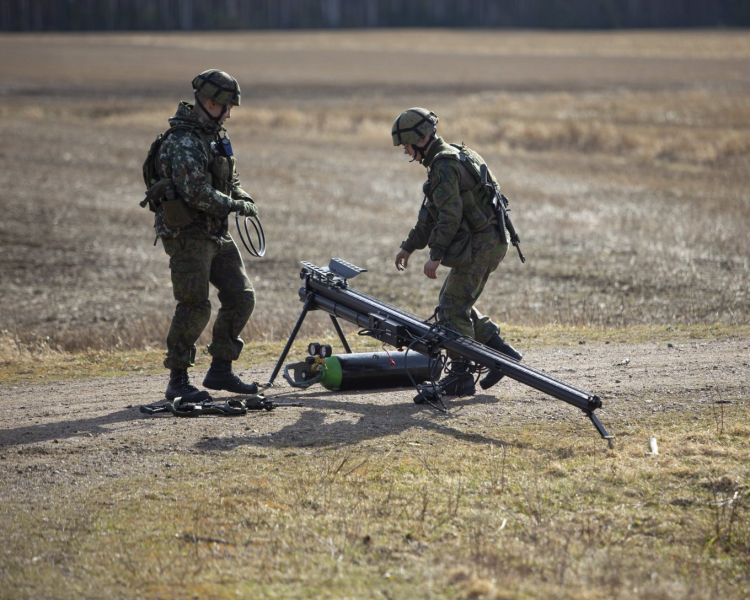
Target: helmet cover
<point x="413" y="125"/>
<point x="221" y="87"/>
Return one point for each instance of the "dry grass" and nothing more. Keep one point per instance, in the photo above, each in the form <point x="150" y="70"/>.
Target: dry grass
<point x="681" y="126"/>
<point x="628" y="185"/>
<point x="401" y="516"/>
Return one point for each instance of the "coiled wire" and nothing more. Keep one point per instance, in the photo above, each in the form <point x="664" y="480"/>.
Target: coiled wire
<point x="247" y="238"/>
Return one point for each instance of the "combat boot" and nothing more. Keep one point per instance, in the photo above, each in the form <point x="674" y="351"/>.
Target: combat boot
<point x="180" y="387"/>
<point x="495" y="375"/>
<point x="458" y="381"/>
<point x="221" y="377"/>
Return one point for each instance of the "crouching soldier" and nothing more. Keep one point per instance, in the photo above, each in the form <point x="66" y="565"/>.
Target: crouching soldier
<point x="463" y="231"/>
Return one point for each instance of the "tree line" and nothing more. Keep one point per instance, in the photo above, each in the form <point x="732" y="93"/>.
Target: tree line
<point x="189" y="15"/>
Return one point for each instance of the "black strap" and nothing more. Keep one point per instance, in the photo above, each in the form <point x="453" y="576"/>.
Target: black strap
<point x="420" y="152"/>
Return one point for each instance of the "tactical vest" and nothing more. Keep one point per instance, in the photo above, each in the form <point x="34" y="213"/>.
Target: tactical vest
<point x="475" y="200"/>
<point x="222" y="168"/>
<point x="220" y="176"/>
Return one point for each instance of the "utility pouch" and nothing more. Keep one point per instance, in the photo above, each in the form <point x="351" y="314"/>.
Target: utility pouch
<point x="473" y="212"/>
<point x="176" y="212"/>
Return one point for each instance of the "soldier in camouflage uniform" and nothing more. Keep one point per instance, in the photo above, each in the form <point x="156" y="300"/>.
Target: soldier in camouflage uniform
<point x="195" y="157"/>
<point x="458" y="223"/>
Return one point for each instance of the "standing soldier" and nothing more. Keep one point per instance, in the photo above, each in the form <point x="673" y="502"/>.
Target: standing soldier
<point x="462" y="229"/>
<point x="193" y="167"/>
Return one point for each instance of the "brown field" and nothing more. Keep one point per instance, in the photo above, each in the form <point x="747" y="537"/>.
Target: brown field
<point x="626" y="157"/>
<point x="627" y="160"/>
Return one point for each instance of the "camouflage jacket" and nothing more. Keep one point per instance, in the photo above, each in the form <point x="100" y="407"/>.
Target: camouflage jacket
<point x="203" y="176"/>
<point x="455" y="202"/>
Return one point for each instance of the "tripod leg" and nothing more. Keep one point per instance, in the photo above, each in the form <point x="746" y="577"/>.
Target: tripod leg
<point x="340" y="331"/>
<point x="295" y="331"/>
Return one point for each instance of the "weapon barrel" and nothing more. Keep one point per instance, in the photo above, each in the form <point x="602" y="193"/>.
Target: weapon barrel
<point x="534" y="378"/>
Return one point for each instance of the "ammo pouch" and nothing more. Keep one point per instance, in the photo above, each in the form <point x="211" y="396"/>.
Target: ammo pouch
<point x="458" y="253"/>
<point x="176" y="212"/>
<point x="222" y="171"/>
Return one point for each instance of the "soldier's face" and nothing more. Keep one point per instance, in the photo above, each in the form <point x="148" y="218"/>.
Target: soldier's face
<point x="409" y="149"/>
<point x="215" y="109"/>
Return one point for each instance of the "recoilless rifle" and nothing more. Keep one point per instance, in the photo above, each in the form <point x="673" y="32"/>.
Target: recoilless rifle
<point x="327" y="289"/>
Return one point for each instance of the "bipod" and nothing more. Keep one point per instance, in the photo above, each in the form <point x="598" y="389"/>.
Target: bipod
<point x="337" y="272"/>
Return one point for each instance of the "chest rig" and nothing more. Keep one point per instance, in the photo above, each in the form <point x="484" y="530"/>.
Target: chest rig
<point x="222" y="167"/>
<point x="173" y="214"/>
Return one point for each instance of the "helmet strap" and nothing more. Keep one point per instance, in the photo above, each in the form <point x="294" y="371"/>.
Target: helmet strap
<point x="420" y="151"/>
<point x="216" y="120"/>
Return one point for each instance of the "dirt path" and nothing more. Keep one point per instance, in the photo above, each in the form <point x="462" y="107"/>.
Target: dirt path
<point x="84" y="424"/>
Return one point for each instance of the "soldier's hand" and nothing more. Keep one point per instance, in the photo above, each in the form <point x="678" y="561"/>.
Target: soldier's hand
<point x="246" y="208"/>
<point x="402" y="259"/>
<point x="430" y="268"/>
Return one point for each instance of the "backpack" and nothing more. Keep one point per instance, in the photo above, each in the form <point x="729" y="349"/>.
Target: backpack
<point x="472" y="161"/>
<point x="154" y="193"/>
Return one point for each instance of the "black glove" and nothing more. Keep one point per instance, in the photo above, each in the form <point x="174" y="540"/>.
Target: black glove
<point x="246" y="208"/>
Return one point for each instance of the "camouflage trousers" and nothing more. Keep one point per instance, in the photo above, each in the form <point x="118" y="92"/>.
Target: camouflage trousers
<point x="194" y="264"/>
<point x="465" y="284"/>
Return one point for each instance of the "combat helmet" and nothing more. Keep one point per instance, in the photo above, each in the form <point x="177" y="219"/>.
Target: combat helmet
<point x="414" y="125"/>
<point x="221" y="87"/>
